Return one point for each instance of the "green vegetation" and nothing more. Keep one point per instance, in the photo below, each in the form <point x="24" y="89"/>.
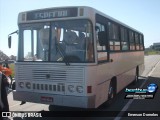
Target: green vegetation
<point x="152" y="52"/>
<point x="12" y="67"/>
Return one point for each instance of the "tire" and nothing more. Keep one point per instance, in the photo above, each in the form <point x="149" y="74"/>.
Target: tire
<point x="111" y="93"/>
<point x="136" y="80"/>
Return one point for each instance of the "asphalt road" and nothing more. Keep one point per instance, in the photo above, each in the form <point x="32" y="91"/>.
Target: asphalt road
<point x="150" y="75"/>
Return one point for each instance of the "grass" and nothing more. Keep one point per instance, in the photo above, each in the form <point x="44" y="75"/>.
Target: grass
<point x="152" y="52"/>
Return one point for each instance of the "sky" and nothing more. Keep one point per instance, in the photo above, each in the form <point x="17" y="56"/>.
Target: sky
<point x="143" y="15"/>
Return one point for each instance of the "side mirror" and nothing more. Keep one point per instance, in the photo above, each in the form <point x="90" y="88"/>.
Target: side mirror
<point x="102" y="37"/>
<point x="9" y="41"/>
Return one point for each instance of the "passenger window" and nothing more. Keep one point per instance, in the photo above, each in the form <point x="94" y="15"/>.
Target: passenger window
<point x="101" y="49"/>
<point x="137" y="41"/>
<point x="141" y="42"/>
<point x="131" y="40"/>
<point x="114" y="36"/>
<point x="113" y="31"/>
<point x="124" y="38"/>
<point x="100" y="28"/>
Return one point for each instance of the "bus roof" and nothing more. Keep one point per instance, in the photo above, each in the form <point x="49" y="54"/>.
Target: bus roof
<point x="115" y="20"/>
<point x="73" y="9"/>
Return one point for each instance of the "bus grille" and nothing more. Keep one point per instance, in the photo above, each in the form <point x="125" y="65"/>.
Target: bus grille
<point x="49" y="73"/>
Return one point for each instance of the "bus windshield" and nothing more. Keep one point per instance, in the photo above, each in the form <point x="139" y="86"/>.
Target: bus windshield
<point x="57" y="41"/>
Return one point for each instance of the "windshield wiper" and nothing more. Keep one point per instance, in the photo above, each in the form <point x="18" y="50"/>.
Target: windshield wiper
<point x="62" y="52"/>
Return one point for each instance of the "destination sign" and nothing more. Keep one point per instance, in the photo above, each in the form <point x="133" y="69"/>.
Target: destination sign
<point x="52" y="13"/>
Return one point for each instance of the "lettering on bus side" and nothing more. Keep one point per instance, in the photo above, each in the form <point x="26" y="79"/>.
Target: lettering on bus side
<point x="52" y="13"/>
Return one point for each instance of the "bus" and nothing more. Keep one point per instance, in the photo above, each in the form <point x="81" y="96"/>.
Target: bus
<point x="75" y="56"/>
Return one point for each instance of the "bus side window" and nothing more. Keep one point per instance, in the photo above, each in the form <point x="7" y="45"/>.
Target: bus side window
<point x="137" y="41"/>
<point x="131" y="40"/>
<point x="124" y="38"/>
<point x="114" y="36"/>
<point x="141" y="42"/>
<point x="100" y="28"/>
<point x="101" y="48"/>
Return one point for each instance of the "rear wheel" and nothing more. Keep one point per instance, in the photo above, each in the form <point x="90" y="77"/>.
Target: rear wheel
<point x="136" y="76"/>
<point x="111" y="93"/>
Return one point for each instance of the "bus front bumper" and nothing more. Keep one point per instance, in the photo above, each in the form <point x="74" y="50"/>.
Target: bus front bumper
<point x="60" y="100"/>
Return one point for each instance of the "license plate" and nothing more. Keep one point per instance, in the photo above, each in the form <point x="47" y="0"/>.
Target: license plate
<point x="46" y="99"/>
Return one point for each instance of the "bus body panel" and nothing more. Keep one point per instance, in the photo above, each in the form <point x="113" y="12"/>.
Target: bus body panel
<point x="49" y="78"/>
<point x="123" y="68"/>
<point x="54" y="90"/>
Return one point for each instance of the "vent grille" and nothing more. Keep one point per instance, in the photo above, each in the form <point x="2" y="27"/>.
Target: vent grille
<point x="49" y="87"/>
<point x="49" y="73"/>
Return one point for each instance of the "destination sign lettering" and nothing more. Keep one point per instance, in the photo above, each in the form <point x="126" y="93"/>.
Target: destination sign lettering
<point x="52" y="13"/>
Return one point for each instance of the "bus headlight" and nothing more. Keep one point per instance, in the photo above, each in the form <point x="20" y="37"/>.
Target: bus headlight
<point x="79" y="89"/>
<point x="28" y="85"/>
<point x="71" y="88"/>
<point x="21" y="84"/>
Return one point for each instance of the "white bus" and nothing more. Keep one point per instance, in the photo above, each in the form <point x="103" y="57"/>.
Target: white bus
<point x="75" y="56"/>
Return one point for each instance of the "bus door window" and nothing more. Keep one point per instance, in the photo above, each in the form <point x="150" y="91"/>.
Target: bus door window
<point x="34" y="39"/>
<point x="44" y="38"/>
<point x="30" y="44"/>
<point x="49" y="46"/>
<point x="27" y="45"/>
<point x="54" y="55"/>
